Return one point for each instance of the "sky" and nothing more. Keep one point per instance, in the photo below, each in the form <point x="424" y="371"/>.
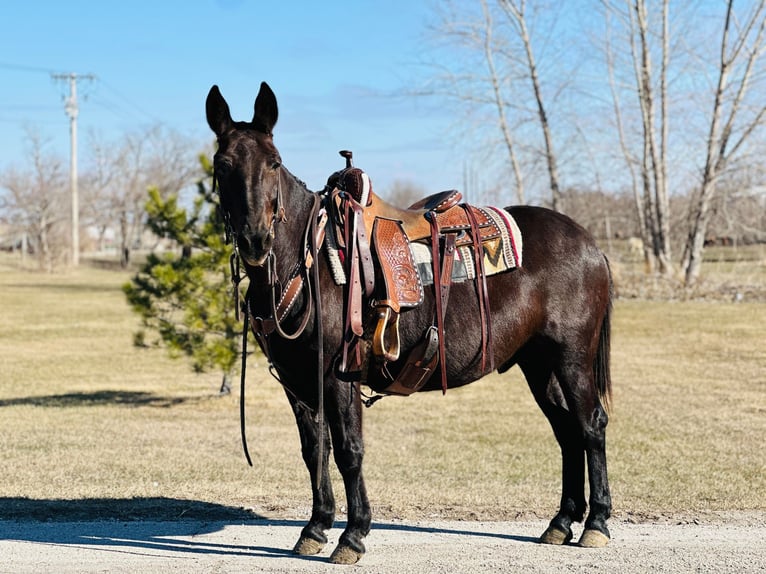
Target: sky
<point x="341" y="71"/>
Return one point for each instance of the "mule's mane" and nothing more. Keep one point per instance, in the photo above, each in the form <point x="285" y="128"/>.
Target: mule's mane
<point x="298" y="181"/>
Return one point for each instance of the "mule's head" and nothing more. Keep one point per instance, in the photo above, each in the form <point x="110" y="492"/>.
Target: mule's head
<point x="247" y="170"/>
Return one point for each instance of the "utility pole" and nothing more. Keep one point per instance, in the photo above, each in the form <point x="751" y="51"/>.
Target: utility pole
<point x="72" y="110"/>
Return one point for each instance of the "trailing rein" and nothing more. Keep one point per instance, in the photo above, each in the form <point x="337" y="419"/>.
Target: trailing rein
<point x="282" y="299"/>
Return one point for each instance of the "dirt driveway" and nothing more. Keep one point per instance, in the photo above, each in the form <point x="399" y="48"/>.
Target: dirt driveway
<point x="733" y="544"/>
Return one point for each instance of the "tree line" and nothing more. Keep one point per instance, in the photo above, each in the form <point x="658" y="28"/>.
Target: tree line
<point x="637" y="117"/>
<point x="657" y="100"/>
<point x="113" y="187"/>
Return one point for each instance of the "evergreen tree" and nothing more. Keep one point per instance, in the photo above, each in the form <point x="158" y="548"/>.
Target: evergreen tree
<point x="185" y="298"/>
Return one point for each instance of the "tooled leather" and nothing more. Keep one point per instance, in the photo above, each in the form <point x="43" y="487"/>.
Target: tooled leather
<point x="402" y="282"/>
<point x="455" y="219"/>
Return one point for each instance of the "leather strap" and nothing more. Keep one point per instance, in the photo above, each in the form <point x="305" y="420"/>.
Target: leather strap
<point x="481" y="291"/>
<point x="448" y="258"/>
<point x="359" y="270"/>
<point x="353" y="313"/>
<point x="440" y="309"/>
<point x="418" y="368"/>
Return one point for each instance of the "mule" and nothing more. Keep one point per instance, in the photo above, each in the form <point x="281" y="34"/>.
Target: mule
<point x="551" y="317"/>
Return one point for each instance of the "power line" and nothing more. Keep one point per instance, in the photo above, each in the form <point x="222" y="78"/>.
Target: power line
<point x="129" y="102"/>
<point x="23" y="68"/>
<point x="128" y="105"/>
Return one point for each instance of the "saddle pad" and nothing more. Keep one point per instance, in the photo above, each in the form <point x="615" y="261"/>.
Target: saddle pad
<point x="501" y="253"/>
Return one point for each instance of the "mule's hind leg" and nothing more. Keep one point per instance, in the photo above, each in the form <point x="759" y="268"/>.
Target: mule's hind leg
<point x="344" y="412"/>
<point x="547" y="393"/>
<point x="593" y="419"/>
<point x="577" y="388"/>
<point x="313" y="538"/>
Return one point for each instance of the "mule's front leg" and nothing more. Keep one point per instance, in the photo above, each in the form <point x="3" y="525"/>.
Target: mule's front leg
<point x="345" y="419"/>
<point x="313" y="538"/>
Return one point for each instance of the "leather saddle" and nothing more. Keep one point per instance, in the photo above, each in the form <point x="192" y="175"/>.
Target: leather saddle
<point x="374" y="238"/>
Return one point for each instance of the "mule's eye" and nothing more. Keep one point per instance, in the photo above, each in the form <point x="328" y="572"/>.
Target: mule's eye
<point x="222" y="167"/>
<point x="276" y="164"/>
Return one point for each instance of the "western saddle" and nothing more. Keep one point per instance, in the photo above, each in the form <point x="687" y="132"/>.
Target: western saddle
<point x="369" y="240"/>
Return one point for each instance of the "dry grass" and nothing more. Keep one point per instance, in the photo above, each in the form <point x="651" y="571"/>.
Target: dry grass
<point x="87" y="417"/>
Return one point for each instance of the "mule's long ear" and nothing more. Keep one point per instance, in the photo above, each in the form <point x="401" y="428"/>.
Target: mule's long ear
<point x="266" y="111"/>
<point x="218" y="114"/>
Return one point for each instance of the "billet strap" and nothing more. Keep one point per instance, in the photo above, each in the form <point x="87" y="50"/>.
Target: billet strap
<point x="481" y="292"/>
<point x="441" y="287"/>
<point x="448" y="259"/>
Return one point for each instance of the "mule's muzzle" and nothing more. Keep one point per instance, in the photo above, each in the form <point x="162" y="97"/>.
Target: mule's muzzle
<point x="254" y="247"/>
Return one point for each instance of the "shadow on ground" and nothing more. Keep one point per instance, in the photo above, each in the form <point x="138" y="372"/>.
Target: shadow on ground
<point x="98" y="398"/>
<point x="124" y="509"/>
<point x="163" y="524"/>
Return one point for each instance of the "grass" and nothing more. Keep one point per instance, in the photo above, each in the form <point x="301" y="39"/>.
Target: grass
<point x="87" y="417"/>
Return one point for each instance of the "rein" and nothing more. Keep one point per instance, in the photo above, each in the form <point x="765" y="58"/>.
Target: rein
<point x="304" y="273"/>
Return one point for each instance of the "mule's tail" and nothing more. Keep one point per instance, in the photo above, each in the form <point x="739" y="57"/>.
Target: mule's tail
<point x="603" y="378"/>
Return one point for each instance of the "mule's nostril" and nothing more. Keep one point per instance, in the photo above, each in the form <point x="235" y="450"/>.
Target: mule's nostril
<point x="253" y="247"/>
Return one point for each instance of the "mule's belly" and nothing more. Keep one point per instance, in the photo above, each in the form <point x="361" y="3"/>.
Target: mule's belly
<point x="463" y="334"/>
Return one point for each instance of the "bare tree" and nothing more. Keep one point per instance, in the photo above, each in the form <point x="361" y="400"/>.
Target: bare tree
<point x="648" y="168"/>
<point x="97" y="209"/>
<point x="35" y="201"/>
<point x="120" y="176"/>
<point x="630" y="160"/>
<point x="658" y="69"/>
<point x="499" y="98"/>
<point x="496" y="79"/>
<point x="516" y="12"/>
<point x="403" y="193"/>
<point x="732" y="121"/>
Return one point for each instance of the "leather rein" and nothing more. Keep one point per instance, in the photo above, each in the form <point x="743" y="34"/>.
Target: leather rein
<point x="282" y="299"/>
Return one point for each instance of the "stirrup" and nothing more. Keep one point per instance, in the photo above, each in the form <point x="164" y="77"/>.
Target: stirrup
<point x="385" y="341"/>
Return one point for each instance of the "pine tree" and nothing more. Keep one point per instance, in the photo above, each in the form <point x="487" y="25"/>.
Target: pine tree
<point x="185" y="299"/>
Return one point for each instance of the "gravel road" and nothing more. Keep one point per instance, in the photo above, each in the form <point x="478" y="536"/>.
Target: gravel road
<point x="732" y="544"/>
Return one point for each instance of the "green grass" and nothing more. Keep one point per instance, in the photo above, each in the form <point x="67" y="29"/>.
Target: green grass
<point x="88" y="417"/>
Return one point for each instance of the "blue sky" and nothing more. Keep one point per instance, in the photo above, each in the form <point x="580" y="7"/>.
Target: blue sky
<point x="340" y="71"/>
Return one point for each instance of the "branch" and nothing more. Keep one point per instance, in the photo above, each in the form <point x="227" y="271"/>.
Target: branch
<point x="744" y="82"/>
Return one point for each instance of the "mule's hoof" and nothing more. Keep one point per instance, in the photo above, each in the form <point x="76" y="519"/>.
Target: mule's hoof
<point x="308" y="546"/>
<point x="593" y="539"/>
<point x="555" y="536"/>
<point x="345" y="555"/>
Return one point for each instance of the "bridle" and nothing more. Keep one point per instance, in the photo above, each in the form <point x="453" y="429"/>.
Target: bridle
<point x="281" y="299"/>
